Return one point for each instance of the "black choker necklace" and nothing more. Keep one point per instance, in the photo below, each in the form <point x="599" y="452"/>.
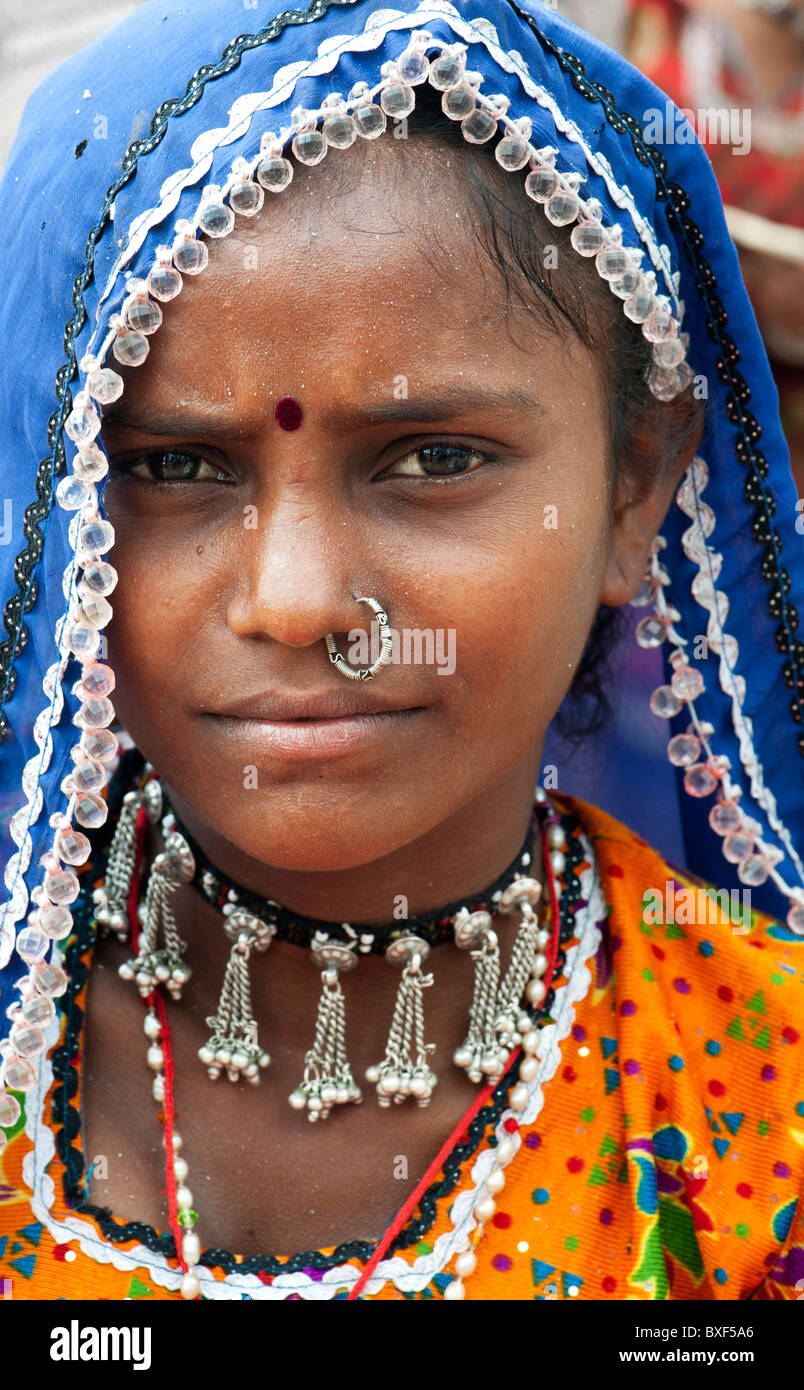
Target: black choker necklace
<point x="433" y="927"/>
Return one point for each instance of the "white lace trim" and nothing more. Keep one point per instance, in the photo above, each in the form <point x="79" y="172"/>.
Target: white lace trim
<point x="23" y="820"/>
<point x="716" y="603"/>
<point x="406" y="1277"/>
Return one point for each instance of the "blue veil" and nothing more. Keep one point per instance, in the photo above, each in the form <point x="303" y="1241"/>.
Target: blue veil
<point x="117" y="144"/>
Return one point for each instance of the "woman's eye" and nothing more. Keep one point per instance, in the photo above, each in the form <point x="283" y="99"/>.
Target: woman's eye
<point x="438" y="461"/>
<point x="169" y="466"/>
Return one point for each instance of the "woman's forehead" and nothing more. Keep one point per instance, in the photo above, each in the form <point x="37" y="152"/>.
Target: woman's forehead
<point x="345" y="284"/>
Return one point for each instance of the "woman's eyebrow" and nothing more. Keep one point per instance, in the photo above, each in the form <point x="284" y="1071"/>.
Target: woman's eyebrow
<point x="447" y="404"/>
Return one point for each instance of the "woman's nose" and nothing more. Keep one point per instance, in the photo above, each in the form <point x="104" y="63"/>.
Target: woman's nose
<point x="296" y="574"/>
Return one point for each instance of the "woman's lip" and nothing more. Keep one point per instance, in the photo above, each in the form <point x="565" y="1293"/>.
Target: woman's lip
<point x="314" y="738"/>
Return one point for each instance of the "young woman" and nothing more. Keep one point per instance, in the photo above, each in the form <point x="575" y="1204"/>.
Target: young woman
<point x="396" y="363"/>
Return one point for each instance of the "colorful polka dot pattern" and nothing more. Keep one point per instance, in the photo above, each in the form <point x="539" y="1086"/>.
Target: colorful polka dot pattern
<point x="667" y="1161"/>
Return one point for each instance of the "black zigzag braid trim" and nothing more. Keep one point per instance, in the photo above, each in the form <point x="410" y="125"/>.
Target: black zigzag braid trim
<point x="20" y="603"/>
<point x="747" y="427"/>
<point x="66" y="1104"/>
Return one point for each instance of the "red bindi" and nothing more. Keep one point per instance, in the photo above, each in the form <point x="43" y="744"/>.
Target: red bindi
<point x="288" y="413"/>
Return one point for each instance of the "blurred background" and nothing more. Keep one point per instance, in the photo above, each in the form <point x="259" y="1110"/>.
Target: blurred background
<point x="37" y="35"/>
<point x="741" y="58"/>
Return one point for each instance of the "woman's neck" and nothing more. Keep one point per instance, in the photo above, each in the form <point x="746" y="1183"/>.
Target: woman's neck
<point x="457" y="858"/>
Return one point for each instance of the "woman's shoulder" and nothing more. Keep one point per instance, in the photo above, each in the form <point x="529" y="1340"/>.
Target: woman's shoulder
<point x="691" y="952"/>
<point x="641" y="882"/>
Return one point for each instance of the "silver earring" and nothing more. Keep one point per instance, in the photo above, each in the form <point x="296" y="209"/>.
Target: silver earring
<point x="364" y="673"/>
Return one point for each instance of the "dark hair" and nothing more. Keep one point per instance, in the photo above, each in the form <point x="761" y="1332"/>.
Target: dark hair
<point x="570" y="297"/>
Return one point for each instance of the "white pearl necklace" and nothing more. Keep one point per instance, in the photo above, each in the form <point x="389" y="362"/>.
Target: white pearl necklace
<point x="485" y="1204"/>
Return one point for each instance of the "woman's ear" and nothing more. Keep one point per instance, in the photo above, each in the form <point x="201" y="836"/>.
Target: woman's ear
<point x="646" y="485"/>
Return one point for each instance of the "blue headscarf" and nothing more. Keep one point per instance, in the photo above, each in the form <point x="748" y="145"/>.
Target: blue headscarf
<point x="116" y="145"/>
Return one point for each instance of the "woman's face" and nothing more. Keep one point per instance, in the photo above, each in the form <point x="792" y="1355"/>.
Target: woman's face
<point x="452" y="461"/>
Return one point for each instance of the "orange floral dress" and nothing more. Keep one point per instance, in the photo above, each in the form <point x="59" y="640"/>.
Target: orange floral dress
<point x="660" y="1156"/>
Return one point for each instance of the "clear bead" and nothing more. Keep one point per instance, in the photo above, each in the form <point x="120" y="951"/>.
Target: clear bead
<point x="639" y="306"/>
<point x="96" y="536"/>
<point x="665" y="702"/>
<point x="541" y="184"/>
<point x="94" y="714"/>
<point x="99" y="577"/>
<point x="478" y="127"/>
<point x="275" y="173"/>
<point x="752" y="870"/>
<point x="459" y="102"/>
<point x="699" y="780"/>
<point x="49" y="979"/>
<point x="98" y="679"/>
<point x="189" y="255"/>
<point x="512" y="152"/>
<point x="62" y="886"/>
<point x="164" y="282"/>
<point x="665" y="385"/>
<point x="38" y="1010"/>
<point x="737" y="846"/>
<point x="628" y="284"/>
<point x="795" y="921"/>
<point x="309" y="146"/>
<point x="447" y="71"/>
<point x="143" y="315"/>
<point x="105" y="385"/>
<point x="83" y="641"/>
<point x="339" y="130"/>
<point x="27" y="1040"/>
<point x="645" y="594"/>
<point x="72" y="847"/>
<point x="95" y="611"/>
<point x="650" y="632"/>
<point x="684" y="750"/>
<point x="130" y="348"/>
<point x="369" y="120"/>
<point x="88" y="777"/>
<point x="83" y="422"/>
<point x="98" y="745"/>
<point x="687" y="683"/>
<point x="90" y="464"/>
<point x="19" y="1074"/>
<point x="32" y="944"/>
<point x="588" y="238"/>
<point x="724" y="817"/>
<point x="10" y="1110"/>
<point x="412" y="66"/>
<point x="246" y="198"/>
<point x="660" y="325"/>
<point x="214" y="217"/>
<point x="562" y="208"/>
<point x="55" y="922"/>
<point x="397" y="100"/>
<point x="90" y="810"/>
<point x="72" y="493"/>
<point x="612" y="263"/>
<point x="669" y="353"/>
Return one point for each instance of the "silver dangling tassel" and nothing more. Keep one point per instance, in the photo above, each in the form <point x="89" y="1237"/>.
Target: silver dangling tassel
<point x="234" y="1046"/>
<point x="404" y="1070"/>
<point x="111" y="898"/>
<point x="155" y="965"/>
<point x="496" y="1018"/>
<point x="328" y="1078"/>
